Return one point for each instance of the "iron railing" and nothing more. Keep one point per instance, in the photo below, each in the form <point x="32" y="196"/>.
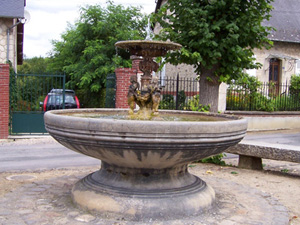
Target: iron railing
<point x="176" y="92"/>
<point x="179" y="93"/>
<point x="110" y="96"/>
<point x="27" y="94"/>
<point x="265" y="97"/>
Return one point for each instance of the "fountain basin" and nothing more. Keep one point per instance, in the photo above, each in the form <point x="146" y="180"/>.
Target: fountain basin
<point x="144" y="172"/>
<point x="148" y="48"/>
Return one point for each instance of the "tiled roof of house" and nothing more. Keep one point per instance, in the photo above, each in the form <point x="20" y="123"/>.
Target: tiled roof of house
<point x="12" y="8"/>
<point x="286" y="20"/>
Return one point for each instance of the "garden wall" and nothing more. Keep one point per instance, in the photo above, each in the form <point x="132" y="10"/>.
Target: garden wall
<point x="263" y="121"/>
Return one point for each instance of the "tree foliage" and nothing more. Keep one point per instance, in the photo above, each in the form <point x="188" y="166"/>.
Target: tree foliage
<point x="87" y="54"/>
<point x="218" y="36"/>
<point x="35" y="65"/>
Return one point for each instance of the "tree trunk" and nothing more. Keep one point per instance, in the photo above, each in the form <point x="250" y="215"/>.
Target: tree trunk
<point x="209" y="89"/>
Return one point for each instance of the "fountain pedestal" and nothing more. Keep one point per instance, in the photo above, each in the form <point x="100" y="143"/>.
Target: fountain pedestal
<point x="143" y="194"/>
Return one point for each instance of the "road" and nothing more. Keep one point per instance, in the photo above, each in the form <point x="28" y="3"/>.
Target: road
<point x="280" y="137"/>
<point x="39" y="154"/>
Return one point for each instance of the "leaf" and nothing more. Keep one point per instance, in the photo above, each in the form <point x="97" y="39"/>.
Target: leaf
<point x="209" y="172"/>
<point x="192" y="165"/>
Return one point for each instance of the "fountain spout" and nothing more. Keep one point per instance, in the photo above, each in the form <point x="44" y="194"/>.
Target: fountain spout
<point x="149" y="31"/>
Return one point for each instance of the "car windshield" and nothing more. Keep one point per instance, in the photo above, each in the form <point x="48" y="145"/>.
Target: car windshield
<point x="58" y="99"/>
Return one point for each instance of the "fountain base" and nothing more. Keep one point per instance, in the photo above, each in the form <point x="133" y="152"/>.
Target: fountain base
<point x="144" y="195"/>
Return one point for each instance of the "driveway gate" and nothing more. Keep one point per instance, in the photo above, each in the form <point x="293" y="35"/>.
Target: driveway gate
<point x="27" y="94"/>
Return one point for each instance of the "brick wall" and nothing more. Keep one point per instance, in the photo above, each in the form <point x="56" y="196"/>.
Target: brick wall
<point x="4" y="100"/>
<point x="123" y="82"/>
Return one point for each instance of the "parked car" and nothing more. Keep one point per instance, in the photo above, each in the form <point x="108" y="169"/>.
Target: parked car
<point x="54" y="100"/>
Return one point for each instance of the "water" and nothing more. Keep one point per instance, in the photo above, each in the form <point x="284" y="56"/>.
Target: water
<point x="160" y="117"/>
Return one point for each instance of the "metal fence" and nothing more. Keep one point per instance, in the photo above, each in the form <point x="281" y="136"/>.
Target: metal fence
<point x="178" y="92"/>
<point x="265" y="97"/>
<point x="27" y="93"/>
<point x="110" y="96"/>
<point x="182" y="93"/>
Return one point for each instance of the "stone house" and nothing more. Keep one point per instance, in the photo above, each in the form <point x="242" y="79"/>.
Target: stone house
<point x="12" y="31"/>
<point x="283" y="59"/>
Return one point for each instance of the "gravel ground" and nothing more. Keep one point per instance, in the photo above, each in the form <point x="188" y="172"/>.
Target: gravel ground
<point x="280" y="180"/>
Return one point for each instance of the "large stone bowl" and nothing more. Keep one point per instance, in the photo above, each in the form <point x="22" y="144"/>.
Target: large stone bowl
<point x="144" y="170"/>
<point x="148" y="48"/>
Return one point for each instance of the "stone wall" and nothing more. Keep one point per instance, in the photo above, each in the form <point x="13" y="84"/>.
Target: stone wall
<point x="5" y="23"/>
<point x="286" y="52"/>
<point x="4" y="100"/>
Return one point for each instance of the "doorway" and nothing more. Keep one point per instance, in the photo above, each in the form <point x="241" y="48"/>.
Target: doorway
<point x="274" y="76"/>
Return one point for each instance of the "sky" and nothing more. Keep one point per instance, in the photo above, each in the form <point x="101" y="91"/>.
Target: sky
<point x="49" y="19"/>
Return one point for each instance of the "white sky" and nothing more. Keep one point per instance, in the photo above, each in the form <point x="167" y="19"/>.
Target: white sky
<point x="48" y="20"/>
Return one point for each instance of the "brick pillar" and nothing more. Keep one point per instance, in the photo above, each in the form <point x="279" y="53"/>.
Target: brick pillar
<point x="136" y="63"/>
<point x="123" y="82"/>
<point x="4" y="100"/>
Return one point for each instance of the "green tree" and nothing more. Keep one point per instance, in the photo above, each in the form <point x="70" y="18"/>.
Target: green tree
<point x="87" y="53"/>
<point x="218" y="38"/>
<point x="35" y="65"/>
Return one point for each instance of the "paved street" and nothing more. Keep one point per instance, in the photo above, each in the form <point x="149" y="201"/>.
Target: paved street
<point x="281" y="137"/>
<point x="39" y="154"/>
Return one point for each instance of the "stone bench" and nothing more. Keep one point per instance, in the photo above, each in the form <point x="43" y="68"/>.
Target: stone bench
<point x="251" y="153"/>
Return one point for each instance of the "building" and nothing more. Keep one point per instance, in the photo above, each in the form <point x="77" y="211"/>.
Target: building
<point x="282" y="60"/>
<point x="12" y="31"/>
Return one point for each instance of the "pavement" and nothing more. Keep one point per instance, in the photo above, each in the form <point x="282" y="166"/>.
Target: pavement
<point x="46" y="199"/>
<point x="39" y="153"/>
<point x="289" y="139"/>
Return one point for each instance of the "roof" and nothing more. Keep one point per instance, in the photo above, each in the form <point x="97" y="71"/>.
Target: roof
<point x="12" y="8"/>
<point x="286" y="20"/>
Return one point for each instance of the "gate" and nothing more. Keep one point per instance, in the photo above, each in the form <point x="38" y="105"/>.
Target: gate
<point x="176" y="92"/>
<point x="110" y="96"/>
<point x="27" y="94"/>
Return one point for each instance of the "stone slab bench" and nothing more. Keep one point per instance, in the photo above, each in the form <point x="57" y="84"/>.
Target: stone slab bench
<point x="251" y="153"/>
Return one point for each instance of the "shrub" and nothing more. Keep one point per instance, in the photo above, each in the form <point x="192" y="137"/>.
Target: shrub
<point x="181" y="99"/>
<point x="295" y="86"/>
<point x="193" y="105"/>
<point x="216" y="159"/>
<point x="167" y="102"/>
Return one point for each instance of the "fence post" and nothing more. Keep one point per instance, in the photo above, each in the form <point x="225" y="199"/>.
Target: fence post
<point x="64" y="90"/>
<point x="177" y="90"/>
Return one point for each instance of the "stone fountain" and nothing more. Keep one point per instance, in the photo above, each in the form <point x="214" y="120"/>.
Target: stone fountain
<point x="144" y="171"/>
<point x="147" y="97"/>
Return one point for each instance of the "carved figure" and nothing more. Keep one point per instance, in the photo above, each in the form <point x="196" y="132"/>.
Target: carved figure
<point x="155" y="95"/>
<point x="132" y="93"/>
